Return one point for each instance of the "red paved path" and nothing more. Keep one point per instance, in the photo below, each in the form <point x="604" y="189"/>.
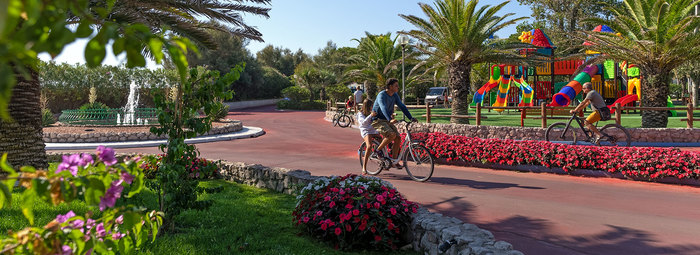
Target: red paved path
<point x="537" y="213"/>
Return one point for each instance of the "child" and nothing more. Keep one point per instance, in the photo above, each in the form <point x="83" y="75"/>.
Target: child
<point x="350" y="104"/>
<point x="364" y="119"/>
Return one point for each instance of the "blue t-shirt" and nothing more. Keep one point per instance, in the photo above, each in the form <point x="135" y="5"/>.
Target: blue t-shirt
<point x="384" y="106"/>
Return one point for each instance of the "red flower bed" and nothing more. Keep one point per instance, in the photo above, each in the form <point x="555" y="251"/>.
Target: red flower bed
<point x="354" y="212"/>
<point x="640" y="162"/>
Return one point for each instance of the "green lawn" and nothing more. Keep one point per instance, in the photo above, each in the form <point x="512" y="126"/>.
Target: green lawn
<point x="512" y="118"/>
<point x="242" y="220"/>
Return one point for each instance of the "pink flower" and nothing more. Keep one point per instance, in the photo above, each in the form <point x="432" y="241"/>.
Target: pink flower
<point x="112" y="194"/>
<point x="393" y="211"/>
<point x="332" y="204"/>
<point x="106" y="155"/>
<point x="70" y="163"/>
<point x="100" y="230"/>
<point x="338" y="231"/>
<point x="119" y="220"/>
<point x="117" y="235"/>
<point x="377" y="238"/>
<point x="355" y="212"/>
<point x="319" y="213"/>
<point x="327" y="198"/>
<point x="128" y="178"/>
<point x="66" y="250"/>
<point x="306" y="219"/>
<point x="63" y="218"/>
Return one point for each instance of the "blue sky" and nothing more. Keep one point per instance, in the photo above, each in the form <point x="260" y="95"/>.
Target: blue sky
<point x="309" y="24"/>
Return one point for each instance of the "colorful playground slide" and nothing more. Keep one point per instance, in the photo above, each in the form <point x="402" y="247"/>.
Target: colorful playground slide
<point x="492" y="83"/>
<point x="526" y="92"/>
<point x="568" y="92"/>
<point x="502" y="96"/>
<point x="670" y="104"/>
<point x="628" y="99"/>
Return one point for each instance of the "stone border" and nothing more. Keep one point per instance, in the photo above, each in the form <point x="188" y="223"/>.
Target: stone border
<point x="638" y="135"/>
<point x="98" y="137"/>
<point x="429" y="230"/>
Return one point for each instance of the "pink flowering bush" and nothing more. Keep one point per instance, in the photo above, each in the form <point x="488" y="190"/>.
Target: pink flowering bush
<point x="638" y="162"/>
<point x="104" y="184"/>
<point x="353" y="212"/>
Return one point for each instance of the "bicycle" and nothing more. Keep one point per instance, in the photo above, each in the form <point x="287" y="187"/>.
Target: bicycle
<point x="417" y="159"/>
<point x="341" y="118"/>
<point x="613" y="134"/>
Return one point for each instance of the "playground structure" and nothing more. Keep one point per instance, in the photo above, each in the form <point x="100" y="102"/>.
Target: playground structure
<point x="616" y="82"/>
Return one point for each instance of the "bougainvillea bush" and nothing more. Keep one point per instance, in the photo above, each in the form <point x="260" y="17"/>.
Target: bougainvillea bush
<point x="638" y="162"/>
<point x="112" y="225"/>
<point x="353" y="212"/>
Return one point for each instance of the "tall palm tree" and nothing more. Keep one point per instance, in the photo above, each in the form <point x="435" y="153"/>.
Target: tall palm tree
<point x="21" y="137"/>
<point x="456" y="35"/>
<point x="657" y="36"/>
<point x="376" y="60"/>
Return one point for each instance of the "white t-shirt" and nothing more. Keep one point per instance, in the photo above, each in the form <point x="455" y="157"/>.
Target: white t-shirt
<point x="365" y="125"/>
<point x="358" y="96"/>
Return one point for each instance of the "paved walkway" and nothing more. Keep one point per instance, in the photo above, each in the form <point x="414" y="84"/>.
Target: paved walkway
<point x="537" y="213"/>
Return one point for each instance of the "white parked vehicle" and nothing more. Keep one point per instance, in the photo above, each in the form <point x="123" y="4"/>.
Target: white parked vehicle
<point x="438" y="95"/>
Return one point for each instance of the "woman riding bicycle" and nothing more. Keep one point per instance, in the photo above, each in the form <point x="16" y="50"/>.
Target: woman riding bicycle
<point x="600" y="110"/>
<point x="364" y="119"/>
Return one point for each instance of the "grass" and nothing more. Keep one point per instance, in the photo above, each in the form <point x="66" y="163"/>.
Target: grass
<point x="242" y="220"/>
<point x="512" y="118"/>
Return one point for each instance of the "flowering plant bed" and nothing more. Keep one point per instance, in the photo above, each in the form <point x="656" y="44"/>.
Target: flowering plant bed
<point x="352" y="212"/>
<point x="199" y="168"/>
<point x="644" y="163"/>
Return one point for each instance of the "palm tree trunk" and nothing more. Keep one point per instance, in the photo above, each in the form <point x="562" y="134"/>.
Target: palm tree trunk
<point x="459" y="75"/>
<point x="371" y="89"/>
<point x="22" y="137"/>
<point x="655" y="84"/>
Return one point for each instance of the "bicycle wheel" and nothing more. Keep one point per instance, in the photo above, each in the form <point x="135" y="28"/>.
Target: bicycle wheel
<point x="344" y="121"/>
<point x="374" y="164"/>
<point x="418" y="163"/>
<point x="555" y="133"/>
<point x="615" y="135"/>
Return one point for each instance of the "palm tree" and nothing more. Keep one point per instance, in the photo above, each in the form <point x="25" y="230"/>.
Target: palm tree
<point x="657" y="36"/>
<point x="21" y="137"/>
<point x="456" y="35"/>
<point x="375" y="61"/>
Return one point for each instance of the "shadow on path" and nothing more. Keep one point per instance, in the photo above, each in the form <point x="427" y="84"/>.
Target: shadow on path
<point x="478" y="184"/>
<point x="615" y="240"/>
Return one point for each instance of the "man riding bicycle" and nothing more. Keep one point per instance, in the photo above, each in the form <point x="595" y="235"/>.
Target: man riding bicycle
<point x="600" y="110"/>
<point x="384" y="122"/>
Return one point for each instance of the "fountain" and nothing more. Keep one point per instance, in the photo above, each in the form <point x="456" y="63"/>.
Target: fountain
<point x="130" y="107"/>
<point x="129" y="115"/>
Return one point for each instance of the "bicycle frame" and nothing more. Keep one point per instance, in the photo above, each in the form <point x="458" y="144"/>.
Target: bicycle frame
<point x="581" y="125"/>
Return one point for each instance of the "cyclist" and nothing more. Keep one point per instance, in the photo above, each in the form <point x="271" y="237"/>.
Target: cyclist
<point x="600" y="110"/>
<point x="368" y="133"/>
<point x="384" y="122"/>
<point x="350" y="104"/>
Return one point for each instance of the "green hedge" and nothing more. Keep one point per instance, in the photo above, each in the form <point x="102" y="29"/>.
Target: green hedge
<point x="301" y="105"/>
<point x="67" y="86"/>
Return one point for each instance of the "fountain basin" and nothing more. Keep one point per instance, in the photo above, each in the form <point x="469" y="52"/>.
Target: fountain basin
<point x="110" y="117"/>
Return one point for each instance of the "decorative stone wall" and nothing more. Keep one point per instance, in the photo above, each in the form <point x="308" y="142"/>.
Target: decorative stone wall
<point x="657" y="135"/>
<point x="113" y="136"/>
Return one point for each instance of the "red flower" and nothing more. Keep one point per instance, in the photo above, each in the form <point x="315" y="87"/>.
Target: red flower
<point x="377" y="238"/>
<point x="338" y="231"/>
<point x="348" y="228"/>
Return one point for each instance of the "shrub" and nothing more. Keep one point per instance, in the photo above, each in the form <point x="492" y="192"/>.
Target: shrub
<point x="274" y="83"/>
<point x="338" y="92"/>
<point x="47" y="118"/>
<point x="296" y="93"/>
<point x="199" y="168"/>
<point x="220" y="112"/>
<point x="303" y="105"/>
<point x="94" y="106"/>
<point x="353" y="211"/>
